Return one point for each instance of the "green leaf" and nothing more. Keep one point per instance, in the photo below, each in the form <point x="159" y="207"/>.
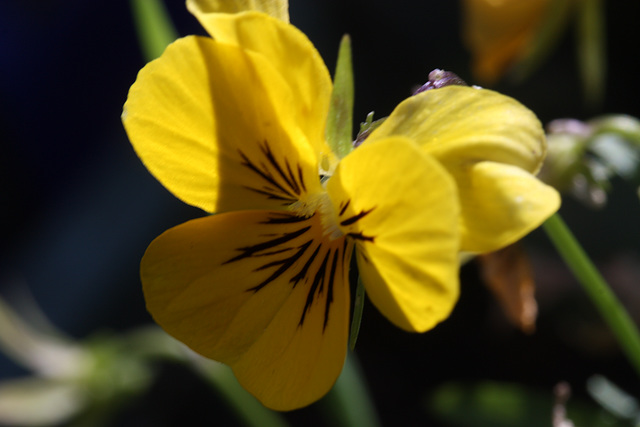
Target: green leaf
<point x="618" y="155"/>
<point x="154" y="27"/>
<point x="624" y="126"/>
<point x="340" y="120"/>
<point x="366" y="128"/>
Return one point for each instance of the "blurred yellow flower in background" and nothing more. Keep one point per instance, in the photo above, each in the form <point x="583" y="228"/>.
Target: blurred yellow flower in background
<point x="498" y="33"/>
<point x="514" y="37"/>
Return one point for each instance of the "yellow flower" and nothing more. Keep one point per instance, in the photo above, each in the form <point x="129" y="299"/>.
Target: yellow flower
<point x="235" y="125"/>
<point x="498" y="32"/>
<point x="493" y="147"/>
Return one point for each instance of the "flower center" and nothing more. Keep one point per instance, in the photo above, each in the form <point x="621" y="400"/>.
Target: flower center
<point x="320" y="203"/>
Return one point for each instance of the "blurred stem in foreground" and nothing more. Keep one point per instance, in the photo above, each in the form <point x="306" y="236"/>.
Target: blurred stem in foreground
<point x="596" y="287"/>
<point x="247" y="408"/>
<point x="348" y="403"/>
<point x="154" y="27"/>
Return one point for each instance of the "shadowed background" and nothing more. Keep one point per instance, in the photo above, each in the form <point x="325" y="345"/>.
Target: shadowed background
<point x="79" y="209"/>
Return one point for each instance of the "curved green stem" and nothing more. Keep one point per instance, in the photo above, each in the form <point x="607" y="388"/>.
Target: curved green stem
<point x="349" y="404"/>
<point x="247" y="408"/>
<point x="154" y="27"/>
<point x="358" y="307"/>
<point x="596" y="287"/>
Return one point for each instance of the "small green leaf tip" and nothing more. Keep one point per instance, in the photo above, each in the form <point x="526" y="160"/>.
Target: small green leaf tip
<point x="366" y="128"/>
<point x="340" y="119"/>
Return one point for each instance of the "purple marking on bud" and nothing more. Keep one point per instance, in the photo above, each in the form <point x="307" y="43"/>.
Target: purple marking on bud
<point x="440" y="78"/>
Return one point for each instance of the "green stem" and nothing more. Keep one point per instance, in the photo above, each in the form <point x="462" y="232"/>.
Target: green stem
<point x="154" y="27"/>
<point x="591" y="50"/>
<point x="358" y="307"/>
<point x="349" y="404"/>
<point x="247" y="408"/>
<point x="610" y="308"/>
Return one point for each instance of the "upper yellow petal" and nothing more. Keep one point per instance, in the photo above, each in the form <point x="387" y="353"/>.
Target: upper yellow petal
<point x="291" y="53"/>
<point x="400" y="207"/>
<point x="279" y="9"/>
<point x="261" y="291"/>
<point x="217" y="126"/>
<point x="460" y="125"/>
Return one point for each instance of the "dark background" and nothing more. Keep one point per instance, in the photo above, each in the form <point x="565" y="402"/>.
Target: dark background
<point x="78" y="208"/>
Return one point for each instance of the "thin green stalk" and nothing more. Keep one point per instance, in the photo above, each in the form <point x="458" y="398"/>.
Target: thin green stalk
<point x="154" y="27"/>
<point x="596" y="287"/>
<point x="592" y="50"/>
<point x="358" y="307"/>
<point x="247" y="408"/>
<point x="349" y="403"/>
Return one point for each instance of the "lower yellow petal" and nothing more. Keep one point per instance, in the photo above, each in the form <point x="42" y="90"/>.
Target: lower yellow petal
<point x="261" y="291"/>
<point x="400" y="207"/>
<point x="296" y="362"/>
<point x="501" y="204"/>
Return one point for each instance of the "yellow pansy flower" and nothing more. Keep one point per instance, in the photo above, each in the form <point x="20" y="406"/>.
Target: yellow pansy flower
<point x="235" y="125"/>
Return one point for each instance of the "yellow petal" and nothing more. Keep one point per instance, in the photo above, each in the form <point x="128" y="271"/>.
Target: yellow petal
<point x="216" y="125"/>
<point x="279" y="9"/>
<point x="261" y="291"/>
<point x="400" y="207"/>
<point x="461" y="125"/>
<point x="501" y="204"/>
<point x="291" y="53"/>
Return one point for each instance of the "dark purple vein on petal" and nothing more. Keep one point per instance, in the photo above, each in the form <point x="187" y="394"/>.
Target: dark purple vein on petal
<point x="301" y="179"/>
<point x="318" y="280"/>
<point x="305" y="269"/>
<point x="289" y="179"/>
<point x="249" y="251"/>
<point x="355" y="218"/>
<point x="332" y="277"/>
<point x="308" y="262"/>
<point x="344" y="206"/>
<point x="362" y="237"/>
<point x="285" y="218"/>
<point x="280" y="180"/>
<point x="285" y="264"/>
<point x="271" y="195"/>
<point x="265" y="175"/>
